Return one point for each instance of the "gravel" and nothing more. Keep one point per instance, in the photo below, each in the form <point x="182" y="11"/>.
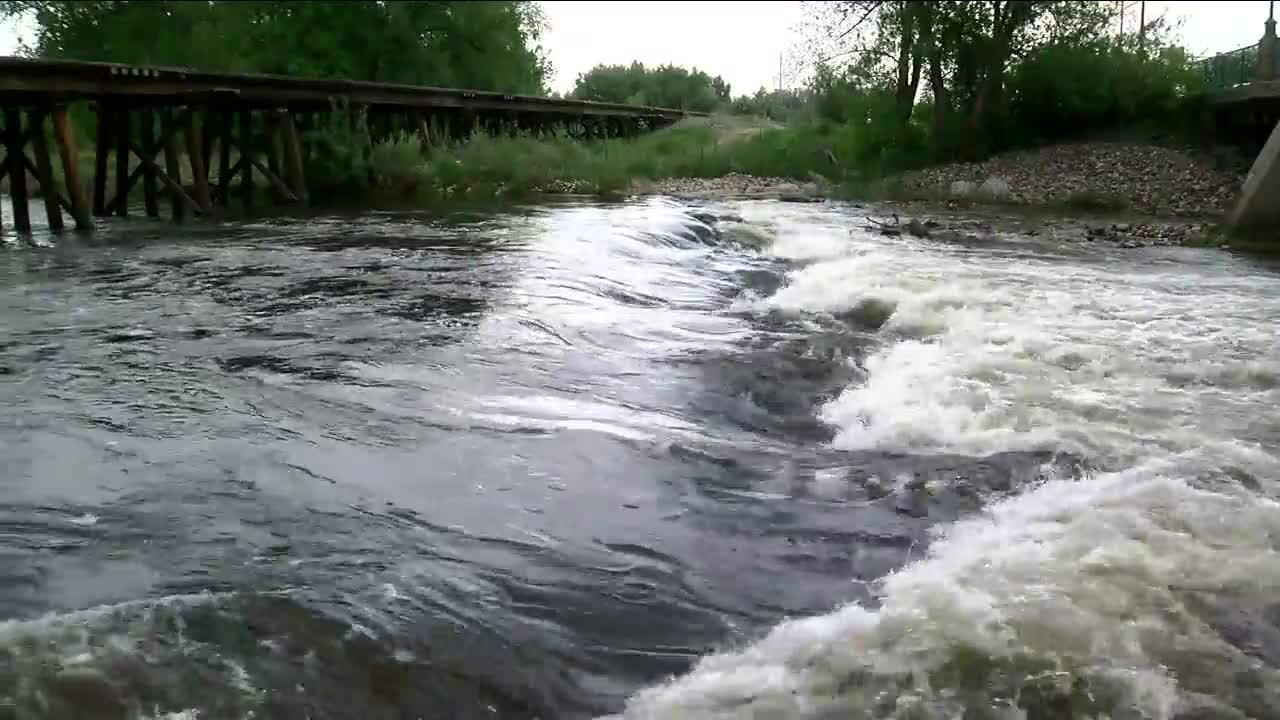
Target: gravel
<point x="1147" y="179"/>
<point x="734" y="185"/>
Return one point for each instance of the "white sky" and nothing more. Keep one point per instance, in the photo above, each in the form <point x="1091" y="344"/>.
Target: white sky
<point x="742" y="41"/>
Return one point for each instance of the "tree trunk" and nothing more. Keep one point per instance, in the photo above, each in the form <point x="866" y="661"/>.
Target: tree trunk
<point x="922" y="10"/>
<point x="1009" y="17"/>
<point x="907" y="79"/>
<point x="937" y="81"/>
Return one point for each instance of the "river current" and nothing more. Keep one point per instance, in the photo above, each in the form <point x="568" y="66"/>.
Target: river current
<point x="644" y="460"/>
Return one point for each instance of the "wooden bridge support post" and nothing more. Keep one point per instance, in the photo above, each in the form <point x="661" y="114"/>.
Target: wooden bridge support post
<point x="147" y="129"/>
<point x="419" y="123"/>
<point x="208" y="131"/>
<point x="196" y="151"/>
<point x="171" y="166"/>
<point x="102" y="146"/>
<point x="273" y="156"/>
<point x="121" y="123"/>
<point x="245" y="145"/>
<point x="65" y="139"/>
<point x="17" y="169"/>
<point x="224" y="158"/>
<point x="44" y="171"/>
<point x="292" y="147"/>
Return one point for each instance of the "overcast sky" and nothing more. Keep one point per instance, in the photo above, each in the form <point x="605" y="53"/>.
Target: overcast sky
<point x="742" y="41"/>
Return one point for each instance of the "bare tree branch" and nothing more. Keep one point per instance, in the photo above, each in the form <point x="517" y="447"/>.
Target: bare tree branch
<point x="871" y="8"/>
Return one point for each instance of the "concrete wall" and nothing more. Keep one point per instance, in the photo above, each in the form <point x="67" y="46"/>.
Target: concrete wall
<point x="1259" y="207"/>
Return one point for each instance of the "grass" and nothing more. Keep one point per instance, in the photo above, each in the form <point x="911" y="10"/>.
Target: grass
<point x="345" y="168"/>
<point x="402" y="168"/>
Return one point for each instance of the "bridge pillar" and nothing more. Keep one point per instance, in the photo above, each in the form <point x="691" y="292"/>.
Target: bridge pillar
<point x="17" y="168"/>
<point x="65" y="139"/>
<point x="292" y="147"/>
<point x="1259" y="205"/>
<point x="1266" y="68"/>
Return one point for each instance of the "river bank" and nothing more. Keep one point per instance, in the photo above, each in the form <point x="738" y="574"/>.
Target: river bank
<point x="967" y="220"/>
<point x="1129" y="194"/>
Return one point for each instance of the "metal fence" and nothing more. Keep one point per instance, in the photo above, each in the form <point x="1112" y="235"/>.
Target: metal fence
<point x="1232" y="68"/>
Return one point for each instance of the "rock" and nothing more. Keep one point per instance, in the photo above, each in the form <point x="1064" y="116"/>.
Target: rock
<point x="917" y="228"/>
<point x="1131" y="244"/>
<point x="1144" y="178"/>
<point x="1121" y="227"/>
<point x="89" y="691"/>
<point x="797" y="198"/>
<point x="913" y="502"/>
<point x="874" y="488"/>
<point x="869" y="314"/>
<point x="995" y="188"/>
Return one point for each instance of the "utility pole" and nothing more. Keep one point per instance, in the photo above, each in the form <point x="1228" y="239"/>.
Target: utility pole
<point x="779" y="71"/>
<point x="1142" y="25"/>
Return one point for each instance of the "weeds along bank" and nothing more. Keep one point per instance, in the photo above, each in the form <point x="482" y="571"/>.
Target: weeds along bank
<point x="404" y="168"/>
<point x="750" y="156"/>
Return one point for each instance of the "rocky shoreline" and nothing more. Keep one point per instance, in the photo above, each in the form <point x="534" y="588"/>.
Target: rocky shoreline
<point x="1124" y="194"/>
<point x="968" y="222"/>
<point x="927" y="220"/>
<point x="734" y="186"/>
<point x="1145" y="179"/>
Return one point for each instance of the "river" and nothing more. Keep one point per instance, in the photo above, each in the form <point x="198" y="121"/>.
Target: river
<point x="646" y="459"/>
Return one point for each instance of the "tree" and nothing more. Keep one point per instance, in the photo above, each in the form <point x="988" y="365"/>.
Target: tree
<point x="782" y="105"/>
<point x="664" y="86"/>
<point x="481" y="45"/>
<point x="967" y="47"/>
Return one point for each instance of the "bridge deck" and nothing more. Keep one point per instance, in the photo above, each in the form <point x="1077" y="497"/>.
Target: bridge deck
<point x="1250" y="92"/>
<point x="36" y="81"/>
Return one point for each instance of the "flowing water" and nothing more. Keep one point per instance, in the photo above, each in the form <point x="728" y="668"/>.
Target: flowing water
<point x="738" y="460"/>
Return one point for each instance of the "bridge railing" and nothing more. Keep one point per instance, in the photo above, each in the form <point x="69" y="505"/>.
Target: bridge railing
<point x="1229" y="68"/>
<point x="1235" y="67"/>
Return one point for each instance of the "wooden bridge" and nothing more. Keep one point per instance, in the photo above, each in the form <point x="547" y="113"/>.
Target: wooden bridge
<point x="148" y="112"/>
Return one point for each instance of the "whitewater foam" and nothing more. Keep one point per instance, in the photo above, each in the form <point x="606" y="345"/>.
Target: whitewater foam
<point x="1082" y="597"/>
<point x="103" y="651"/>
<point x="1072" y="593"/>
<point x="983" y="354"/>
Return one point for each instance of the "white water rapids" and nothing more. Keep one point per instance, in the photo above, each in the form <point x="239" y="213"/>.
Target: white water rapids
<point x="746" y="460"/>
<point x="1132" y="592"/>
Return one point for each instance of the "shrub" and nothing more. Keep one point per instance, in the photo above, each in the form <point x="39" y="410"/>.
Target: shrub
<point x="338" y="154"/>
<point x="1063" y="92"/>
<point x="396" y="165"/>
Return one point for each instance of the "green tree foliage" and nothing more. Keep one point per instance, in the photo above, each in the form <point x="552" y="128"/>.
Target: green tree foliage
<point x="665" y="86"/>
<point x="481" y="45"/>
<point x="780" y="105"/>
<point x="1066" y="90"/>
<point x="962" y="79"/>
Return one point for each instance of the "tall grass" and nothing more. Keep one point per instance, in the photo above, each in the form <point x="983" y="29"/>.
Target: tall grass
<point x="403" y="168"/>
